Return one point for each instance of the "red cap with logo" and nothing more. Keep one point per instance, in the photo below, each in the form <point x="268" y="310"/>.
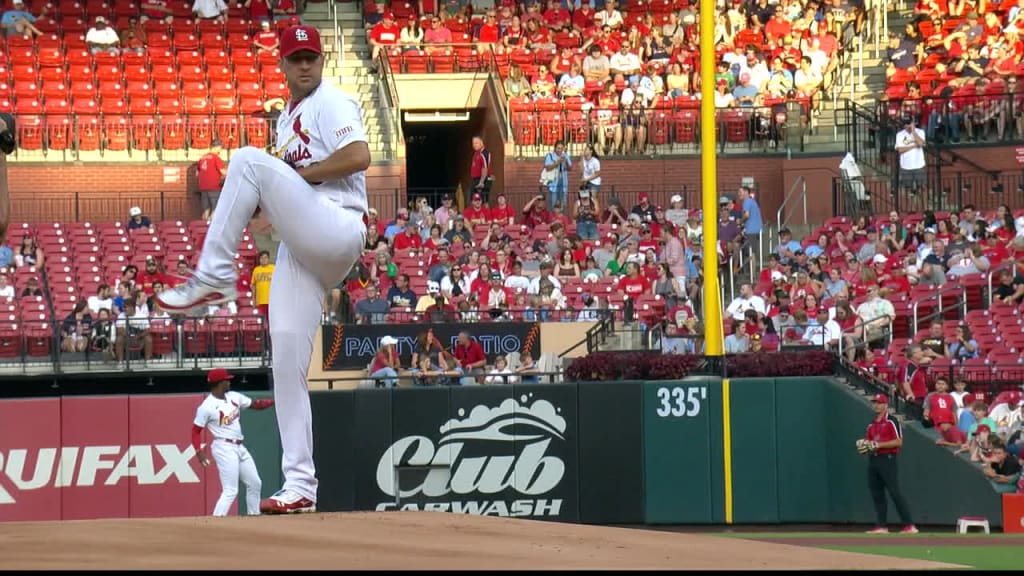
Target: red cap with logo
<point x="298" y="38"/>
<point x="217" y="375"/>
<point x="881" y="399"/>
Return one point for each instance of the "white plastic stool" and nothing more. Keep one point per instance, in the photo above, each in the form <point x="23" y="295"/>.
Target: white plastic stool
<point x="964" y="523"/>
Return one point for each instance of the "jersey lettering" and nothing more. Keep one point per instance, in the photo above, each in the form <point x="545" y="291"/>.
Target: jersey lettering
<point x="300" y="153"/>
<point x="942" y="403"/>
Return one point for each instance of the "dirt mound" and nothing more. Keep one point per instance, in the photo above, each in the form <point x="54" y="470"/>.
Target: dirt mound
<point x="395" y="540"/>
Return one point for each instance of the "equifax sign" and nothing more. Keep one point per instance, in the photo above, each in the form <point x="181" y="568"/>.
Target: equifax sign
<point x="24" y="469"/>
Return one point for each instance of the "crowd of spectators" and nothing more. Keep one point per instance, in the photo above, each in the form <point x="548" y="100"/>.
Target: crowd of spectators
<point x="91" y="289"/>
<point x="623" y="61"/>
<point x="954" y="70"/>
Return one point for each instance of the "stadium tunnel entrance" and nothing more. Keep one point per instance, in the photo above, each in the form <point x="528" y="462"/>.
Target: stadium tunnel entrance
<point x="439" y="150"/>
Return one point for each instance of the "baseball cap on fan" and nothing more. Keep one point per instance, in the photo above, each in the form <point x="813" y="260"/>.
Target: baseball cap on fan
<point x="298" y="38"/>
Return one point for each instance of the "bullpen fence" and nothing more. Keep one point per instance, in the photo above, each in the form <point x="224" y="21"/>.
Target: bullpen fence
<point x="694" y="451"/>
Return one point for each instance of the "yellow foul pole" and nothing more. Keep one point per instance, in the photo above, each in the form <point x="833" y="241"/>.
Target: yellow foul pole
<point x="709" y="180"/>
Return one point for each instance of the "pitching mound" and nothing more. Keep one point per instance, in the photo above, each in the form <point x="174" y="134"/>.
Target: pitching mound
<point x="395" y="540"/>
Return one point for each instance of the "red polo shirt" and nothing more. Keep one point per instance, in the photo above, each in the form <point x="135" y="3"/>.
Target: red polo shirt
<point x="470" y="354"/>
<point x="405" y="241"/>
<point x="884" y="428"/>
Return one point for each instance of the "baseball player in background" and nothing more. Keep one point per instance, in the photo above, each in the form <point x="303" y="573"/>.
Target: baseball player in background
<point x="314" y="195"/>
<point x="220" y="412"/>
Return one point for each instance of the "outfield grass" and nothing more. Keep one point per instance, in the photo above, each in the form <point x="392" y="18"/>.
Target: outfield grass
<point x="978" y="557"/>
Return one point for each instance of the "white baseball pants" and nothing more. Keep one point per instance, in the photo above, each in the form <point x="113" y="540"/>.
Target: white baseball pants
<point x="234" y="461"/>
<point x="320" y="242"/>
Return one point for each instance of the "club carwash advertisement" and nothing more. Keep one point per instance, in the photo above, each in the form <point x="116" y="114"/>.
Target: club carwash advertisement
<point x="509" y="456"/>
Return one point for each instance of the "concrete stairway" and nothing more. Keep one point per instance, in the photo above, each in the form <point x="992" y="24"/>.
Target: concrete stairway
<point x="349" y="67"/>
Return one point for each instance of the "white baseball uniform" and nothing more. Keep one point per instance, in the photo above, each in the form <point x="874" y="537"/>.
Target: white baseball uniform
<point x="322" y="235"/>
<point x="221" y="416"/>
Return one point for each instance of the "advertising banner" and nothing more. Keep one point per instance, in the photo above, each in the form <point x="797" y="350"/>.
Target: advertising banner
<point x="86" y="457"/>
<point x="500" y="451"/>
<point x="179" y="485"/>
<point x="352" y="346"/>
<point x="30" y="456"/>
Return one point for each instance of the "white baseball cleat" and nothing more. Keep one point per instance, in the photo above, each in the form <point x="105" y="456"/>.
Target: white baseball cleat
<point x="195" y="293"/>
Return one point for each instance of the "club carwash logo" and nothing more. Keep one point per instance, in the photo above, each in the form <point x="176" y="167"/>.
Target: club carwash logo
<point x="481" y="460"/>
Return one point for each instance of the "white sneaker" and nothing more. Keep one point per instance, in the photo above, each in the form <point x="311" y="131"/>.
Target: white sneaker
<point x="195" y="293"/>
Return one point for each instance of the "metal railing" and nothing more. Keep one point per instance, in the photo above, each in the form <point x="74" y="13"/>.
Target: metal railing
<point x="950" y="191"/>
<point x="538" y="125"/>
<point x="938" y="296"/>
<point x="411" y="379"/>
<point x="138" y="136"/>
<point x="339" y="36"/>
<point x="993" y="274"/>
<point x="174" y="343"/>
<point x="111" y="206"/>
<point x="864" y="342"/>
<point x="388" y="92"/>
<point x="797" y="193"/>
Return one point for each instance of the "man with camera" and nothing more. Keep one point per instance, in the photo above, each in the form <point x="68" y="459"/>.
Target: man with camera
<point x="910" y="144"/>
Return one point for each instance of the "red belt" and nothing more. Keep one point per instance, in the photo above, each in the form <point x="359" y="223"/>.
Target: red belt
<point x="230" y="440"/>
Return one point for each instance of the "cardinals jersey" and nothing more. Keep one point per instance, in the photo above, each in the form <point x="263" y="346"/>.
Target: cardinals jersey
<point x="220" y="415"/>
<point x="310" y="130"/>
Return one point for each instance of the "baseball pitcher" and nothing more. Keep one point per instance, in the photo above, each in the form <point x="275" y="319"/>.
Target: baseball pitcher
<point x="220" y="413"/>
<point x="314" y="194"/>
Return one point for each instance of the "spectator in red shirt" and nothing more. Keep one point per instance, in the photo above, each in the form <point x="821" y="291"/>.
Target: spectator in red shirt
<point x="210" y="171"/>
<point x="633" y="284"/>
<point x="384" y="34"/>
<point x="480" y="170"/>
<point x="477" y="212"/>
<point x="470" y="355"/>
<point x="536" y="212"/>
<point x="266" y="39"/>
<point x="503" y="213"/>
<point x="151" y="274"/>
<point x="409" y="239"/>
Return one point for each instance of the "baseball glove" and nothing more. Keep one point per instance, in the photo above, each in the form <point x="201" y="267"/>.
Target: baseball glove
<point x="866" y="446"/>
<point x="7" y="142"/>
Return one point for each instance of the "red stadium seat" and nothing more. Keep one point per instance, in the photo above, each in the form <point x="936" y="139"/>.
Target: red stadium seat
<point x="229" y="132"/>
<point x="30" y="132"/>
<point x="172" y="133"/>
<point x="87" y="132"/>
<point x="200" y="132"/>
<point x="116" y="130"/>
<point x="58" y="132"/>
<point x="256" y="132"/>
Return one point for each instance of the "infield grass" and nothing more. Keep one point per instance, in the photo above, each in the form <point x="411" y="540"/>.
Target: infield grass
<point x="980" y="557"/>
<point x="977" y="557"/>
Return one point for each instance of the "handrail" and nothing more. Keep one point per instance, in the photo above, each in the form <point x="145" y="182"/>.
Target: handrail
<point x="937" y="295"/>
<point x="389" y="92"/>
<point x="494" y="82"/>
<point x="1009" y="265"/>
<point x="339" y="40"/>
<point x="863" y="324"/>
<point x="597" y="329"/>
<point x="802" y="183"/>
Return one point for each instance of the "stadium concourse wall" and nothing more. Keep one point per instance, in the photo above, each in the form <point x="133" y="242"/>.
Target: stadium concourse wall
<point x="695" y="451"/>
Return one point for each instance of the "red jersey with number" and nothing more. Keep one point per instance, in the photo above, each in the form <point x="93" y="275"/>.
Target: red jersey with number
<point x="940" y="408"/>
<point x="885" y="429"/>
<point x="208" y="172"/>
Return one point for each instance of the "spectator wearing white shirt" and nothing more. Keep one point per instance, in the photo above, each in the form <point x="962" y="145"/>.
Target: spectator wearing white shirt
<point x="516" y="281"/>
<point x="6" y="289"/>
<point x="626" y="64"/>
<point x="609" y="17"/>
<point x="747" y="300"/>
<point x="501" y="373"/>
<point x="209" y="9"/>
<point x="102" y="37"/>
<point x="102" y="299"/>
<point x="825" y="332"/>
<point x="132" y="327"/>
